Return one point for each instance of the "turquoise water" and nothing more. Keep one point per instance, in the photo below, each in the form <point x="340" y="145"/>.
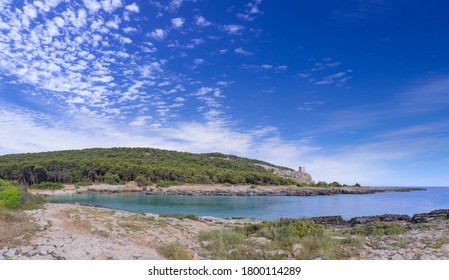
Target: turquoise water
<point x="271" y="207"/>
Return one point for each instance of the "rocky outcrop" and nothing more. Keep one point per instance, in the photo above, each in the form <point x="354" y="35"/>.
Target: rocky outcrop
<point x="432" y="216"/>
<point x="442" y="214"/>
<point x="379" y="218"/>
<point x="301" y="177"/>
<point x="219" y="190"/>
<point x="329" y="220"/>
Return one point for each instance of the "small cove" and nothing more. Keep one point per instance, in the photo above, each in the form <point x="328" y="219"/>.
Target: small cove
<point x="270" y="207"/>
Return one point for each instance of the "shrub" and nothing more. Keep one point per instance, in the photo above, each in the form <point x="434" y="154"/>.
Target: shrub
<point x="379" y="228"/>
<point x="277" y="240"/>
<point x="165" y="184"/>
<point x="83" y="184"/>
<point x="225" y="244"/>
<point x="141" y="181"/>
<point x="10" y="197"/>
<point x="47" y="186"/>
<point x="283" y="228"/>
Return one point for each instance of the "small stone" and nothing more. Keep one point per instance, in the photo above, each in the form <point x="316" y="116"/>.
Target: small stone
<point x="10" y="253"/>
<point x="297" y="247"/>
<point x="42" y="251"/>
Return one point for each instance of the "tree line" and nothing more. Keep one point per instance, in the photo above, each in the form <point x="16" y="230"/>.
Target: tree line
<point x="147" y="165"/>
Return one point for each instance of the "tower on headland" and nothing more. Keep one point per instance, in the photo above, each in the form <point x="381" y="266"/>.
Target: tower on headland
<point x="301" y="169"/>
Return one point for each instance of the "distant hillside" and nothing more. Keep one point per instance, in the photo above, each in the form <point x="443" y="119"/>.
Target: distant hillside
<point x="147" y="165"/>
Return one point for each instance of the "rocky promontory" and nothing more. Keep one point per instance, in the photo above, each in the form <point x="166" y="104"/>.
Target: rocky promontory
<point x="219" y="190"/>
<point x="222" y="190"/>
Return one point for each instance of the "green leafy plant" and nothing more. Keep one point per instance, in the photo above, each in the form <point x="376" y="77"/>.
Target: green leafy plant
<point x="165" y="184"/>
<point x="83" y="184"/>
<point x="11" y="198"/>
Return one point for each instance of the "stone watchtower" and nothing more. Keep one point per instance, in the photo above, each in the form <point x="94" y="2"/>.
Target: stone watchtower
<point x="301" y="169"/>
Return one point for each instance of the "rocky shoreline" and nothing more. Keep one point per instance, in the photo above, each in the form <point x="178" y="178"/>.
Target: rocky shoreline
<point x="222" y="190"/>
<point x="64" y="231"/>
<point x="269" y="190"/>
<point x="434" y="215"/>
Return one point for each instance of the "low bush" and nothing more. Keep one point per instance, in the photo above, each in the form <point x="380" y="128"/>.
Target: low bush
<point x="283" y="229"/>
<point x="379" y="228"/>
<point x="282" y="239"/>
<point x="142" y="181"/>
<point x="226" y="244"/>
<point x="165" y="184"/>
<point x="11" y="198"/>
<point x="47" y="186"/>
<point x="83" y="184"/>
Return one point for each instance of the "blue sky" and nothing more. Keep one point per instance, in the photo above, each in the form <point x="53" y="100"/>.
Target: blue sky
<point x="356" y="91"/>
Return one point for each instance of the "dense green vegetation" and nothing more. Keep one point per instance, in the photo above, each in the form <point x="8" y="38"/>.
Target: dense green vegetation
<point x="14" y="197"/>
<point x="10" y="196"/>
<point x="322" y="184"/>
<point x="145" y="165"/>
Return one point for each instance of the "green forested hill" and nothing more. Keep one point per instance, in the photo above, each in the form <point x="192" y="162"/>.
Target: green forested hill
<point x="114" y="165"/>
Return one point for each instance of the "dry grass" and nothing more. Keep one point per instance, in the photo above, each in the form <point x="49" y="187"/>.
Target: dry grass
<point x="175" y="251"/>
<point x="283" y="239"/>
<point x="16" y="228"/>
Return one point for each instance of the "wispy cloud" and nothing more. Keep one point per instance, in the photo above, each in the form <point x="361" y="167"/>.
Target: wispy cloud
<point x="174" y="5"/>
<point x="262" y="143"/>
<point x="327" y="72"/>
<point x="264" y="67"/>
<point x="233" y="29"/>
<point x="241" y="51"/>
<point x="251" y="11"/>
<point x="339" y="78"/>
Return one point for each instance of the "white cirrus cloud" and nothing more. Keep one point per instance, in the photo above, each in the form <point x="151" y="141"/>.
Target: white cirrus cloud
<point x="174" y="5"/>
<point x="241" y="51"/>
<point x="251" y="11"/>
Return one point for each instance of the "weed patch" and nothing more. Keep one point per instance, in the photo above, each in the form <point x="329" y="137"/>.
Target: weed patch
<point x="175" y="251"/>
<point x="379" y="228"/>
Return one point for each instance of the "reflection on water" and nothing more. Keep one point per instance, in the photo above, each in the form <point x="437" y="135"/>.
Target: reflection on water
<point x="271" y="207"/>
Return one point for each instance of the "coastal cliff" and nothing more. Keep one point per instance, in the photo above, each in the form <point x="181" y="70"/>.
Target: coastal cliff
<point x="301" y="176"/>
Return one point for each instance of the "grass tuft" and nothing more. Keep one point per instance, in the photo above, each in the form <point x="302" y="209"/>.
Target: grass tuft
<point x="175" y="251"/>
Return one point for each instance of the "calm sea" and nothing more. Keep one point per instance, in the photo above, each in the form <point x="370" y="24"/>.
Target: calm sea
<point x="271" y="207"/>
